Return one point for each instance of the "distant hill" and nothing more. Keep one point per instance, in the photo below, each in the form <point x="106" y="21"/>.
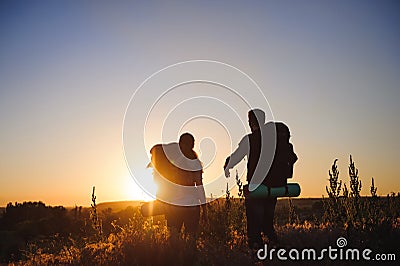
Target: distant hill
<point x="118" y="205"/>
<point x="121" y="205"/>
<point x="300" y="202"/>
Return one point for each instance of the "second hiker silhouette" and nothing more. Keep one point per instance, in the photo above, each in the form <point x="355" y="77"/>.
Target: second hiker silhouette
<point x="270" y="159"/>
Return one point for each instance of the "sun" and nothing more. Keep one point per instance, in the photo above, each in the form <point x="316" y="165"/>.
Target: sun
<point x="132" y="191"/>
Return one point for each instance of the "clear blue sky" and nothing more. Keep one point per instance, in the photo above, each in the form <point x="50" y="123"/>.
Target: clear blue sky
<point x="330" y="70"/>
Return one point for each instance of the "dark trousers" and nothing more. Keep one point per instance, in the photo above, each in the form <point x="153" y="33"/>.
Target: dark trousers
<point x="260" y="218"/>
<point x="183" y="215"/>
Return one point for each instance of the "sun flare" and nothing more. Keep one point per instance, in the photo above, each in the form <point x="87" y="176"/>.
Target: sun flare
<point x="133" y="191"/>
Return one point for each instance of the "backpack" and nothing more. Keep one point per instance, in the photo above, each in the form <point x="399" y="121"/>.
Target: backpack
<point x="284" y="159"/>
<point x="164" y="158"/>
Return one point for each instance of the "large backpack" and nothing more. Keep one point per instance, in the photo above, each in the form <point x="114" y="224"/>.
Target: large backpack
<point x="284" y="159"/>
<point x="163" y="158"/>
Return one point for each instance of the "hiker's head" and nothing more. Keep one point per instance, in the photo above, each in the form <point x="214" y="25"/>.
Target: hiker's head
<point x="256" y="118"/>
<point x="282" y="131"/>
<point x="186" y="142"/>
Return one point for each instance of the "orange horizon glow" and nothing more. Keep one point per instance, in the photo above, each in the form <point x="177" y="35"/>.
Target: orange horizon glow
<point x="68" y="70"/>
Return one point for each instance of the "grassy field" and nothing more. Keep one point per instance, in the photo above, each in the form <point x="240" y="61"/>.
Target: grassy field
<point x="134" y="240"/>
<point x="116" y="233"/>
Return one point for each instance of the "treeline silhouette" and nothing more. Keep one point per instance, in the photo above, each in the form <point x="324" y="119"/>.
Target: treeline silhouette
<point x="32" y="216"/>
<point x="35" y="223"/>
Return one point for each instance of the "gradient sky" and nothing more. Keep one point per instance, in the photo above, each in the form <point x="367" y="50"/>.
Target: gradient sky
<point x="329" y="69"/>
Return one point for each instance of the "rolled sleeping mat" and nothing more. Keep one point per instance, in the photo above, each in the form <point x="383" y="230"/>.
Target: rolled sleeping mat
<point x="262" y="191"/>
<point x="153" y="208"/>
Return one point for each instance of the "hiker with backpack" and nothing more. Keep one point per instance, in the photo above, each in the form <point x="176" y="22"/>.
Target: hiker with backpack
<point x="177" y="172"/>
<point x="270" y="160"/>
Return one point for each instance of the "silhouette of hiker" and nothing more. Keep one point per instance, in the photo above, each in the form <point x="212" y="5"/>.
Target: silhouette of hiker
<point x="178" y="174"/>
<point x="270" y="159"/>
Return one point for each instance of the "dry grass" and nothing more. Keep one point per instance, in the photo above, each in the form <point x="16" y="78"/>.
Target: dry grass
<point x="371" y="222"/>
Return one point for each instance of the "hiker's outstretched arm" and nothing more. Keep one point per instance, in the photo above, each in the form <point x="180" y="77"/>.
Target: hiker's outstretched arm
<point x="238" y="155"/>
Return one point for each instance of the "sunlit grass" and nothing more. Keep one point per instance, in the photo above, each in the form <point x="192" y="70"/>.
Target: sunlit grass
<point x="128" y="238"/>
